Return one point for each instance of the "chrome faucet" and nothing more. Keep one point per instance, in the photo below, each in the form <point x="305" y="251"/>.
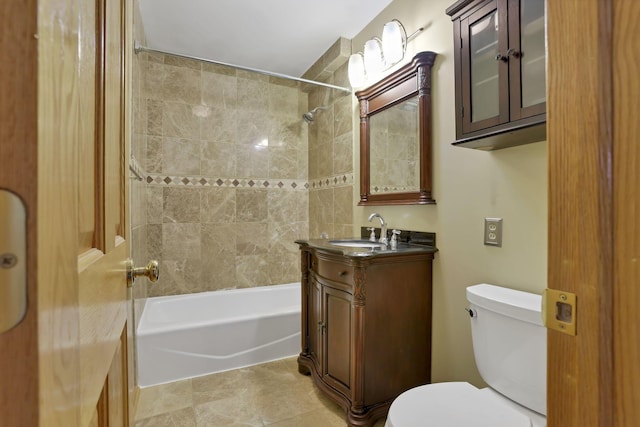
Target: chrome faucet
<point x="383" y="227"/>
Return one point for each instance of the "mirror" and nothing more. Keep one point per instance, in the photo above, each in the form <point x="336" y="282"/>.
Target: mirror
<point x="395" y="136"/>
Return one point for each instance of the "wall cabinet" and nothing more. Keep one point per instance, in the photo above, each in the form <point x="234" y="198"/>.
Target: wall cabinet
<point x="499" y="48"/>
<point x="366" y="326"/>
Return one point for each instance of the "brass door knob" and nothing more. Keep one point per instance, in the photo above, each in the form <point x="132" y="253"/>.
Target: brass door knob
<point x="151" y="272"/>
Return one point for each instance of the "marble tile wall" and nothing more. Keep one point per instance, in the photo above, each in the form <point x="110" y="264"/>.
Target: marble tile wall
<point x="226" y="158"/>
<point x="331" y="160"/>
<point x="233" y="175"/>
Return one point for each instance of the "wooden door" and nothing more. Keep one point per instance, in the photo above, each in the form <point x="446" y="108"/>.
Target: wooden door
<point x="64" y="112"/>
<point x="18" y="174"/>
<point x="594" y="238"/>
<point x="626" y="206"/>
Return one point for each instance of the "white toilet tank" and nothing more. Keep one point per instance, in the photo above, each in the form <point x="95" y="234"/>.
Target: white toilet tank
<point x="510" y="343"/>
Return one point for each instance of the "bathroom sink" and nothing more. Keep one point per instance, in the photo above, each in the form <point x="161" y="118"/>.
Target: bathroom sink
<point x="363" y="244"/>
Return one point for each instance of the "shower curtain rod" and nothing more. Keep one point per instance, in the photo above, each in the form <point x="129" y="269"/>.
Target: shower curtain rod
<point x="138" y="48"/>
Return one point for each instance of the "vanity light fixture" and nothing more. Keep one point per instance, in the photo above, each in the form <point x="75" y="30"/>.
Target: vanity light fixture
<point x="394" y="42"/>
<point x="379" y="54"/>
<point x="357" y="75"/>
<point x="373" y="58"/>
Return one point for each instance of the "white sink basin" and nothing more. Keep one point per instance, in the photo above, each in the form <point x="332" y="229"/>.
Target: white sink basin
<point x="364" y="244"/>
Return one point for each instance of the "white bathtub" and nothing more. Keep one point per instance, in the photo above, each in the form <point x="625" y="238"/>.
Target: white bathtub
<point x="186" y="336"/>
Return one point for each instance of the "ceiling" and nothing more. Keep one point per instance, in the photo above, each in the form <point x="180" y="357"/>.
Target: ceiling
<point x="282" y="36"/>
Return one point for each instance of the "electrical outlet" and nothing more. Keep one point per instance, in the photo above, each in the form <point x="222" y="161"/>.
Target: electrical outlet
<point x="493" y="232"/>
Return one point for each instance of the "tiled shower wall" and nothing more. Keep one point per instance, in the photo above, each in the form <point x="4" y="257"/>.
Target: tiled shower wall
<point x="331" y="147"/>
<point x="233" y="175"/>
<point x="226" y="158"/>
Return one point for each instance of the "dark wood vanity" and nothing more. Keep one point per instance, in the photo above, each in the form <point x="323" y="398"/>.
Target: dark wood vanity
<point x="366" y="324"/>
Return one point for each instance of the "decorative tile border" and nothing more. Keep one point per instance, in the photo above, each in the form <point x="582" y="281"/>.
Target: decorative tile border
<point x="332" y="181"/>
<point x="388" y="189"/>
<point x="284" y="184"/>
<point x="204" y="181"/>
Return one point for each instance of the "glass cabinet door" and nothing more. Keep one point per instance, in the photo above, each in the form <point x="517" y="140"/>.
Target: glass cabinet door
<point x="483" y="40"/>
<point x="528" y="58"/>
<point x="486" y="103"/>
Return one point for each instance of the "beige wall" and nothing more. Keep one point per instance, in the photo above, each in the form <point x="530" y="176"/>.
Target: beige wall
<point x="468" y="186"/>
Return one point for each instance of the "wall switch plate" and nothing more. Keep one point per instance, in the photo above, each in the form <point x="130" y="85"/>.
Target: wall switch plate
<point x="493" y="232"/>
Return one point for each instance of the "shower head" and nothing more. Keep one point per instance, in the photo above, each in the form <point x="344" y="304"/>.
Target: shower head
<point x="309" y="116"/>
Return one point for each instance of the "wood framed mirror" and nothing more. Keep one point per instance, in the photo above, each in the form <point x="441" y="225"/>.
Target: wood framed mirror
<point x="395" y="136"/>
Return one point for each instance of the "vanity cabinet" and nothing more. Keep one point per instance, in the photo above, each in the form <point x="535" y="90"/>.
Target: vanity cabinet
<point x="366" y="326"/>
<point x="329" y="349"/>
<point x="499" y="50"/>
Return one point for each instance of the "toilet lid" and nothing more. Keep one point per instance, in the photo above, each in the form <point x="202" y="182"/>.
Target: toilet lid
<point x="452" y="405"/>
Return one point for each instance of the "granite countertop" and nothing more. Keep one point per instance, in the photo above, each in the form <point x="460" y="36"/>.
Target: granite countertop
<point x="403" y="248"/>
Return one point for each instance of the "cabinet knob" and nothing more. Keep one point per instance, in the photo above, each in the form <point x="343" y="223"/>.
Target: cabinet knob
<point x="342" y="273"/>
<point x="514" y="53"/>
<point x="503" y="58"/>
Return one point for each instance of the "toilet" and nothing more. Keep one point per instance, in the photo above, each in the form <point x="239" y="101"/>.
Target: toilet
<point x="510" y="349"/>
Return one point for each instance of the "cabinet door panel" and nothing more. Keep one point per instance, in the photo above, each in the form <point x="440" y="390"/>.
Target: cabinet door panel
<point x="486" y="102"/>
<point x="337" y="336"/>
<point x="483" y="44"/>
<point x="528" y="58"/>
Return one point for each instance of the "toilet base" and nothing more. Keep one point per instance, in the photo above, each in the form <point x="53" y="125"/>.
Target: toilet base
<point x="459" y="404"/>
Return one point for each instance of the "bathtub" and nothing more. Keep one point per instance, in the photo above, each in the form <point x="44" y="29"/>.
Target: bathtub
<point x="186" y="336"/>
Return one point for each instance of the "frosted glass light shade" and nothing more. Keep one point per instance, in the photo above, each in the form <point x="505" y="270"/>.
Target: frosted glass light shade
<point x="373" y="62"/>
<point x="393" y="36"/>
<point x="356" y="70"/>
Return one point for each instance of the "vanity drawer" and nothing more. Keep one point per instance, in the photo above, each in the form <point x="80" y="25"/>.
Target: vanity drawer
<point x="333" y="270"/>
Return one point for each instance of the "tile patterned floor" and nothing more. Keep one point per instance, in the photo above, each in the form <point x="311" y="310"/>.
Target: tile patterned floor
<point x="273" y="394"/>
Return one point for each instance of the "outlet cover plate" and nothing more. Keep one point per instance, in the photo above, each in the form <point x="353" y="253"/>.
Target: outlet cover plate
<point x="493" y="232"/>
